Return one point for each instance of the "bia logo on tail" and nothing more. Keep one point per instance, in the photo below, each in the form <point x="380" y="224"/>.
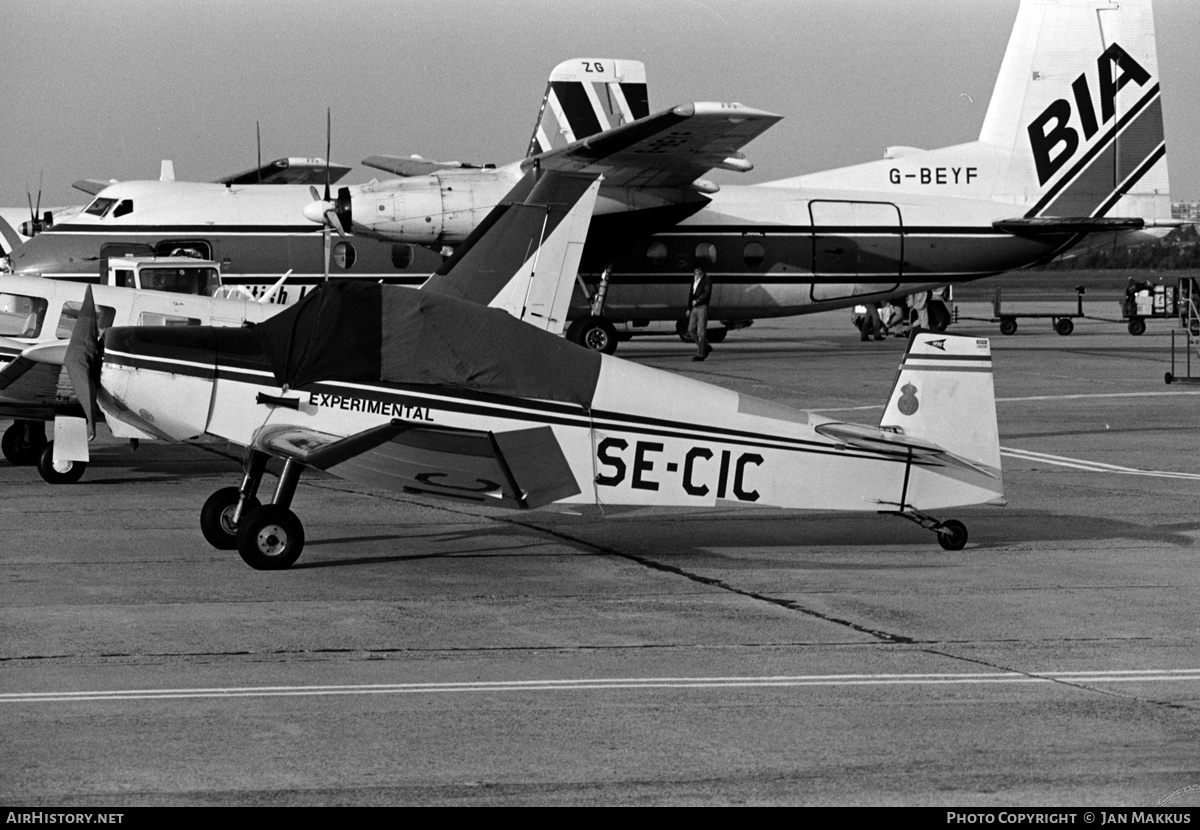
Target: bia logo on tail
<point x="1052" y="138"/>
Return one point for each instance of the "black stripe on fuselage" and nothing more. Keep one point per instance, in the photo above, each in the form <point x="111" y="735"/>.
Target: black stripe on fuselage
<point x="509" y="408"/>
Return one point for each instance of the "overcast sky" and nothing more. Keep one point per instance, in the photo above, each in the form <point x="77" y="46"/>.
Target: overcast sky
<point x="107" y="89"/>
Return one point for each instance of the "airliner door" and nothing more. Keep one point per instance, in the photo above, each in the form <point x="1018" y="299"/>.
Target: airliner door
<point x="857" y="248"/>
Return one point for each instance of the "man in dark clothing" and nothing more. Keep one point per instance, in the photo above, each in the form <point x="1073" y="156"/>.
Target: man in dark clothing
<point x="698" y="312"/>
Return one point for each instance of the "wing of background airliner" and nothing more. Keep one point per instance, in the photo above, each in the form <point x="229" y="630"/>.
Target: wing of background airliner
<point x="280" y="171"/>
<point x="669" y="149"/>
<point x="417" y="166"/>
<point x="288" y="171"/>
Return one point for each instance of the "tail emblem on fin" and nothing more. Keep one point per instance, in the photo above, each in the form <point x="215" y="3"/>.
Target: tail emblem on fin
<point x="908" y="403"/>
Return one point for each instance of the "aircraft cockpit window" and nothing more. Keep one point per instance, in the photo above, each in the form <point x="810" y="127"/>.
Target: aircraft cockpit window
<point x="124" y="278"/>
<point x="21" y="316"/>
<point x="100" y="207"/>
<point x="70" y="313"/>
<point x="122" y="209"/>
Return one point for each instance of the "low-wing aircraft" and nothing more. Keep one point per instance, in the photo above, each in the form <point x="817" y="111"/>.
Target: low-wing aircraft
<point x="37" y="319"/>
<point x="1071" y="154"/>
<point x="428" y="391"/>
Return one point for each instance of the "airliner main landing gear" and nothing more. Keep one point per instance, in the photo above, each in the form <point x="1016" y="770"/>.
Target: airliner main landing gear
<point x="268" y="537"/>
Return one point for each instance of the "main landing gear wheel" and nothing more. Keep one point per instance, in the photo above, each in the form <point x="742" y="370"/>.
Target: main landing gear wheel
<point x="594" y="333"/>
<point x="1064" y="327"/>
<point x="716" y="335"/>
<point x="1008" y="326"/>
<point x="23" y="443"/>
<point x="1137" y="326"/>
<point x="270" y="538"/>
<point x="62" y="472"/>
<point x="216" y="517"/>
<point x="952" y="534"/>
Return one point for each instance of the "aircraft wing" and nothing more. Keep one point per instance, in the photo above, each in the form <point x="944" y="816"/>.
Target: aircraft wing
<point x="522" y="468"/>
<point x="30" y="382"/>
<point x="417" y="166"/>
<point x="288" y="171"/>
<point x="92" y="186"/>
<point x="669" y="149"/>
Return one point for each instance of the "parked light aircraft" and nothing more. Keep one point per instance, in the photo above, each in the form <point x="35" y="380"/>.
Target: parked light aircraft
<point x="1071" y="154"/>
<point x="37" y="318"/>
<point x="429" y="391"/>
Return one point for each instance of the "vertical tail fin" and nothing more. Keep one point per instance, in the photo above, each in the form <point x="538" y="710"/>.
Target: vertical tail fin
<point x="1076" y="114"/>
<point x="585" y="96"/>
<point x="524" y="256"/>
<point x="944" y="394"/>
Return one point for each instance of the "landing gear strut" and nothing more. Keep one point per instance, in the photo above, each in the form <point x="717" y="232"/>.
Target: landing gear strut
<point x="951" y="534"/>
<point x="594" y="331"/>
<point x="268" y="537"/>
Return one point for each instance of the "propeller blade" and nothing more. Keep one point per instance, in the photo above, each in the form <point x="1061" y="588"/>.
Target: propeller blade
<point x="328" y="250"/>
<point x="313" y="191"/>
<point x="37" y="211"/>
<point x="333" y="221"/>
<point x="328" y="150"/>
<point x="82" y="360"/>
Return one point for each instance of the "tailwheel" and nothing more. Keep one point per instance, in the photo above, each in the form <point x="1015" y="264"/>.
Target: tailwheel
<point x="270" y="538"/>
<point x="60" y="472"/>
<point x="217" y="521"/>
<point x="951" y="534"/>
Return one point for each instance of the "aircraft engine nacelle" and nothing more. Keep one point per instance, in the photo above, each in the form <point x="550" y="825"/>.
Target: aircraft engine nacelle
<point x="409" y="212"/>
<point x="440" y="209"/>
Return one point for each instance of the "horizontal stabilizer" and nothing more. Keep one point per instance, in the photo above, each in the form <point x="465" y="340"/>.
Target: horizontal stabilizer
<point x="880" y="438"/>
<point x="51" y="353"/>
<point x="417" y="166"/>
<point x="524" y="468"/>
<point x="1035" y="226"/>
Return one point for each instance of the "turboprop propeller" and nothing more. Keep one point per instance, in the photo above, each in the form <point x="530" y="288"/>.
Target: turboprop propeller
<point x="332" y="215"/>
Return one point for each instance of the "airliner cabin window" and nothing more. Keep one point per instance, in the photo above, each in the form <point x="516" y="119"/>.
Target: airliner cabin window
<point x="100" y="207"/>
<point x="402" y="256"/>
<point x="70" y="314"/>
<point x="754" y="254"/>
<point x="656" y="253"/>
<point x="21" y="316"/>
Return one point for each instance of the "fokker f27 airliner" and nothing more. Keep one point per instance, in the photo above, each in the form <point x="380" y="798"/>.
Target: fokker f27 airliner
<point x="428" y="391"/>
<point x="1071" y="154"/>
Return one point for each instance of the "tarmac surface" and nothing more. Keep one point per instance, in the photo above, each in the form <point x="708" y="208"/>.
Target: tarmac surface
<point x="422" y="652"/>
